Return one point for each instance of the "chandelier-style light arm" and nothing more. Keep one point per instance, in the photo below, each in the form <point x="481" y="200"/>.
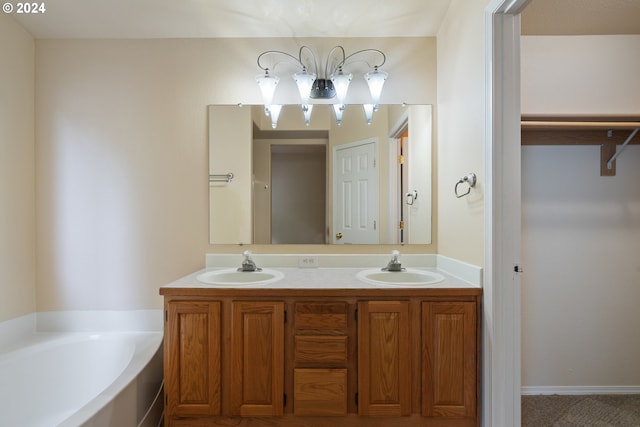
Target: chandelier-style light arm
<point x="346" y="58"/>
<point x="315" y="60"/>
<point x="298" y="60"/>
<point x="328" y="72"/>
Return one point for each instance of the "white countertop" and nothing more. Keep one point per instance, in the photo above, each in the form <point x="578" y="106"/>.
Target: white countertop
<point x="320" y="278"/>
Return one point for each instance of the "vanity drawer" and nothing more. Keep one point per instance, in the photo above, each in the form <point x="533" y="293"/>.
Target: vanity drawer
<point x="321" y="348"/>
<point x="320" y="392"/>
<point x="321" y="315"/>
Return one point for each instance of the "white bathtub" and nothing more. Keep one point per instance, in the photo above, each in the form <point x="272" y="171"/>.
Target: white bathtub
<point x="82" y="379"/>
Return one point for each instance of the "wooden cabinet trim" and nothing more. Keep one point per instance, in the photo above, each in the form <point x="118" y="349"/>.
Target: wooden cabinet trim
<point x="321" y="293"/>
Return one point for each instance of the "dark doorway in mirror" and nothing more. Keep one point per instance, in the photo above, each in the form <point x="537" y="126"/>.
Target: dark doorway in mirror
<point x="298" y="194"/>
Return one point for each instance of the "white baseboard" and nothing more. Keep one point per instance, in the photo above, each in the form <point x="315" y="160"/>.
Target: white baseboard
<point x="580" y="390"/>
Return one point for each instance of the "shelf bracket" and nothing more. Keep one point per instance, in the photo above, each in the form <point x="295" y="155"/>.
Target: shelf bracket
<point x="609" y="151"/>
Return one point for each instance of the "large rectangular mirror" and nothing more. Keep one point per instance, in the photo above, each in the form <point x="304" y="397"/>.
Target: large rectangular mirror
<point x="321" y="183"/>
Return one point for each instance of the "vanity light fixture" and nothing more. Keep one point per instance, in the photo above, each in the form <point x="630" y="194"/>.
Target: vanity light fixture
<point x="323" y="84"/>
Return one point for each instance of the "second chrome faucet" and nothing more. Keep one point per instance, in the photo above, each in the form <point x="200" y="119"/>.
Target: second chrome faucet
<point x="248" y="265"/>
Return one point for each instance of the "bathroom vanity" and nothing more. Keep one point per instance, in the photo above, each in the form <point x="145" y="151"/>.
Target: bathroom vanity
<point x="320" y="348"/>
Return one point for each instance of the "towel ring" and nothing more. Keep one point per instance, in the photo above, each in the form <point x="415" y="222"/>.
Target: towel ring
<point x="470" y="179"/>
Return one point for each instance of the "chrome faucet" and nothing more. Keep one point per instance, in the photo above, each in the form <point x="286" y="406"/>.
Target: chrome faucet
<point x="248" y="264"/>
<point x="394" y="264"/>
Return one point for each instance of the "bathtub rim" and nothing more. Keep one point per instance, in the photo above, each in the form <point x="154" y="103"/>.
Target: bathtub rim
<point x="17" y="331"/>
<point x="47" y="327"/>
<point x="142" y="356"/>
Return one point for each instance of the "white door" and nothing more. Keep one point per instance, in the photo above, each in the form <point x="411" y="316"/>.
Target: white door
<point x="355" y="189"/>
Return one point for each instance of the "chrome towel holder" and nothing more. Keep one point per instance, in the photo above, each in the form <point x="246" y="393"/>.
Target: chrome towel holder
<point x="470" y="179"/>
<point x="221" y="178"/>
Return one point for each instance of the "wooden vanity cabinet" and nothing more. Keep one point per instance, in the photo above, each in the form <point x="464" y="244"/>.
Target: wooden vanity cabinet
<point x="449" y="359"/>
<point x="257" y="358"/>
<point x="192" y="358"/>
<point x="312" y="357"/>
<point x="384" y="358"/>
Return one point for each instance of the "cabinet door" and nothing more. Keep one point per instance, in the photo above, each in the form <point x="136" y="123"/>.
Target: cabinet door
<point x="449" y="369"/>
<point x="192" y="358"/>
<point x="257" y="358"/>
<point x="384" y="362"/>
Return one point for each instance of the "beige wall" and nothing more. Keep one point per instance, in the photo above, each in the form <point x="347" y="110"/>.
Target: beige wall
<point x="122" y="156"/>
<point x="581" y="231"/>
<point x="17" y="173"/>
<point x="580" y="74"/>
<point x="460" y="128"/>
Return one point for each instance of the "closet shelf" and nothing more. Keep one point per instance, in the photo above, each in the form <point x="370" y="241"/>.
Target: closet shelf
<point x="607" y="131"/>
<point x="531" y="122"/>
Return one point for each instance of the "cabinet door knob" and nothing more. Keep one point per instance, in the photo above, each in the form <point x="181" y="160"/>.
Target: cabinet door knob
<point x="338" y="236"/>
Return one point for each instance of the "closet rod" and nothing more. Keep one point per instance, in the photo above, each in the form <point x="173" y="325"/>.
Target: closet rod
<point x="628" y="140"/>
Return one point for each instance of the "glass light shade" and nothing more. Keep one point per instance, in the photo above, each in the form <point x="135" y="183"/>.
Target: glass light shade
<point x="304" y="80"/>
<point x="368" y="112"/>
<point x="341" y="83"/>
<point x="306" y="110"/>
<point x="338" y="109"/>
<point x="375" y="79"/>
<point x="274" y="111"/>
<point x="267" y="84"/>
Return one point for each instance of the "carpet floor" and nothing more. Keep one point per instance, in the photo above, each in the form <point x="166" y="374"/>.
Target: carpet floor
<point x="585" y="410"/>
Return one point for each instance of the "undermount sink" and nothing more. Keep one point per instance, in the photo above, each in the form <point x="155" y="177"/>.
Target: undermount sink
<point x="233" y="277"/>
<point x="406" y="277"/>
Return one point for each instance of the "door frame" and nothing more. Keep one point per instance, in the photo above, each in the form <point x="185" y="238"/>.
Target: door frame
<point x="393" y="215"/>
<point x="501" y="308"/>
<point x="393" y="179"/>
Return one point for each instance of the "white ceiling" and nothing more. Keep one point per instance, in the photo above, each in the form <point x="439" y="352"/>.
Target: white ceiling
<point x="306" y="18"/>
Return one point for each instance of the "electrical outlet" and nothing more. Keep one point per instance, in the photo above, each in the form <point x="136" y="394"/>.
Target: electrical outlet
<point x="308" y="261"/>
